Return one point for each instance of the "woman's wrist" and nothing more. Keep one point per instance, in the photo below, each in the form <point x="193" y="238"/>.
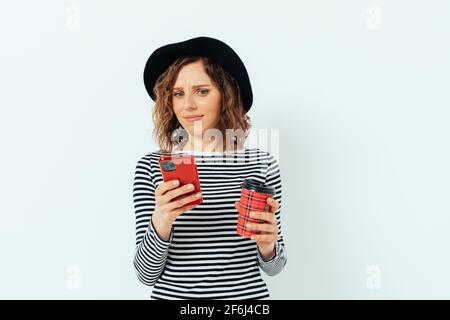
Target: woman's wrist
<point x="267" y="252"/>
<point x="162" y="228"/>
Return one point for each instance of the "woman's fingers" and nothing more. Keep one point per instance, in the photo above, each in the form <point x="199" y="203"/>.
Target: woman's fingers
<point x="265" y="237"/>
<point x="274" y="204"/>
<point x="175" y="204"/>
<point x="269" y="217"/>
<point x="269" y="229"/>
<point x="172" y="200"/>
<point x="264" y="227"/>
<point x="166" y="186"/>
<point x="174" y="193"/>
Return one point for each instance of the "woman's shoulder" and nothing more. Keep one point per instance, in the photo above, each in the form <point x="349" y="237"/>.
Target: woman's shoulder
<point x="259" y="152"/>
<point x="150" y="154"/>
<point x="148" y="158"/>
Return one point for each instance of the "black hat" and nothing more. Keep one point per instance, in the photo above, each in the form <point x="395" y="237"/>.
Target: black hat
<point x="212" y="48"/>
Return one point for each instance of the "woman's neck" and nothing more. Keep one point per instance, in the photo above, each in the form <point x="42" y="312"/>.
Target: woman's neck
<point x="199" y="145"/>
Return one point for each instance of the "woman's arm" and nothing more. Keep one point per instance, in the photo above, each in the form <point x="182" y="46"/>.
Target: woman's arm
<point x="151" y="251"/>
<point x="274" y="265"/>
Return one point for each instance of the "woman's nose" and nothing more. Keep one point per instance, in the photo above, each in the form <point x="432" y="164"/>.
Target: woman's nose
<point x="188" y="102"/>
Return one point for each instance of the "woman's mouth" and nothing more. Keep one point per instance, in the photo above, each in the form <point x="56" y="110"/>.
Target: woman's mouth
<point x="193" y="118"/>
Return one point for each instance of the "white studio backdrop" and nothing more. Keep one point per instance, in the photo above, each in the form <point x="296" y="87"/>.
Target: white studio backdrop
<point x="358" y="92"/>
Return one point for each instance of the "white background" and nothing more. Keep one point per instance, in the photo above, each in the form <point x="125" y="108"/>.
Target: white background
<point x="359" y="91"/>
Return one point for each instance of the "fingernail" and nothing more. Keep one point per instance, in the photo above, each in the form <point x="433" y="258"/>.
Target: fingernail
<point x="190" y="186"/>
<point x="252" y="214"/>
<point x="198" y="195"/>
<point x="269" y="200"/>
<point x="249" y="225"/>
<point x="175" y="182"/>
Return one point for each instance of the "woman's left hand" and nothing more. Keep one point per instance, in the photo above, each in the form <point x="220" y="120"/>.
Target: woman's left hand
<point x="268" y="230"/>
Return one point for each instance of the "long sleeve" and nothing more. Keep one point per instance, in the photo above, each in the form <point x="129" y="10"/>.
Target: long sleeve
<point x="151" y="251"/>
<point x="277" y="263"/>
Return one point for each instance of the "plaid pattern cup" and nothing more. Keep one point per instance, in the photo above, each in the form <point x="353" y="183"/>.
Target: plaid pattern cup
<point x="253" y="198"/>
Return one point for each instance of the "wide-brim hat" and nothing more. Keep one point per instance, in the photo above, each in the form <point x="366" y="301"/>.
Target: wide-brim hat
<point x="217" y="50"/>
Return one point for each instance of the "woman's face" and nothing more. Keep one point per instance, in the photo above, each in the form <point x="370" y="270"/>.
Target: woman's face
<point x="195" y="95"/>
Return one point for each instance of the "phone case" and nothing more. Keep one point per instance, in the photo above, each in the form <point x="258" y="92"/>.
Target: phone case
<point x="181" y="167"/>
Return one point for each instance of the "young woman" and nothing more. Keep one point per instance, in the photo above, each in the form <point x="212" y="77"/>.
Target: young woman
<point x="193" y="251"/>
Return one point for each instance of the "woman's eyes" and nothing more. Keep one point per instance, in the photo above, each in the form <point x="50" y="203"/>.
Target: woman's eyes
<point x="204" y="91"/>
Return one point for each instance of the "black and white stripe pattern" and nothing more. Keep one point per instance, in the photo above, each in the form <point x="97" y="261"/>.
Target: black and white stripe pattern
<point x="205" y="258"/>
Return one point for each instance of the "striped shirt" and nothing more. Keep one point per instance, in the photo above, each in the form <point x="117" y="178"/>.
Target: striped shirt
<point x="205" y="258"/>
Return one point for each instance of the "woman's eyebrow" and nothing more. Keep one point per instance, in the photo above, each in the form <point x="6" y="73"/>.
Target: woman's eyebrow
<point x="196" y="86"/>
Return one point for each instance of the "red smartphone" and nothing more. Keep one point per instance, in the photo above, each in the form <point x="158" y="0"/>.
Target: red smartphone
<point x="181" y="167"/>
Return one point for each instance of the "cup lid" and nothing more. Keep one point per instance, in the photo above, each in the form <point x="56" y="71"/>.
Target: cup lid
<point x="257" y="186"/>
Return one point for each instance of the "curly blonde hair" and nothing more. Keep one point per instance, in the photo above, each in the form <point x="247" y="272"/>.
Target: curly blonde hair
<point x="233" y="115"/>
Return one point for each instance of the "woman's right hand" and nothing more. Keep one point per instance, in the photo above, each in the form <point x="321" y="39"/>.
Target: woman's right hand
<point x="167" y="209"/>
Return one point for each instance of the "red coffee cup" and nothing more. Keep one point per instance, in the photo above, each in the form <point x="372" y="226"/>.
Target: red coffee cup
<point x="254" y="196"/>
